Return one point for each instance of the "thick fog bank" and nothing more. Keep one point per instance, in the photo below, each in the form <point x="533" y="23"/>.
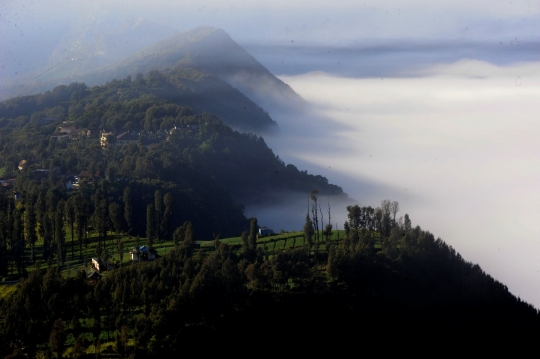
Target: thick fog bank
<point x="456" y="145"/>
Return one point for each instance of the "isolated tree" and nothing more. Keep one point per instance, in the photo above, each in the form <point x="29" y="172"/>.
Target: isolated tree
<point x="253" y="231"/>
<point x="308" y="232"/>
<point x="115" y="215"/>
<point x="81" y="218"/>
<point x="394" y="209"/>
<point x="70" y="216"/>
<point x="184" y="236"/>
<point x="48" y="235"/>
<point x="245" y="243"/>
<point x="168" y="200"/>
<point x="354" y="214"/>
<point x="189" y="234"/>
<point x="59" y="233"/>
<point x="314" y="210"/>
<point x="128" y="209"/>
<point x="158" y="208"/>
<point x="150" y="225"/>
<point x="328" y="229"/>
<point x="178" y="236"/>
<point x="100" y="216"/>
<point x="328" y="232"/>
<point x="17" y="240"/>
<point x="30" y="230"/>
<point x="386" y="220"/>
<point x="407" y="223"/>
<point x="120" y="249"/>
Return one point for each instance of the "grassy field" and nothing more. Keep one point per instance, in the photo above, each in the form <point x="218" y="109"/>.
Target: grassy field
<point x="82" y="261"/>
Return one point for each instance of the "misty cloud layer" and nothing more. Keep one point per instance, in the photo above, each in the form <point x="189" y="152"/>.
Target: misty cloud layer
<point x="456" y="145"/>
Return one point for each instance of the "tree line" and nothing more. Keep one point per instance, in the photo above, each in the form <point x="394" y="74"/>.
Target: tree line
<point x="153" y="309"/>
<point x="48" y="216"/>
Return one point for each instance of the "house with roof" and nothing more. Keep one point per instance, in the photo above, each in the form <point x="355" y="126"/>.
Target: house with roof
<point x="143" y="253"/>
<point x="265" y="231"/>
<point x="84" y="175"/>
<point x="134" y="254"/>
<point x="100" y="264"/>
<point x="65" y="132"/>
<point x="126" y="138"/>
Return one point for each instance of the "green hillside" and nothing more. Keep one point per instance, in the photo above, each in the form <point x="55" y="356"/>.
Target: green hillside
<point x="406" y="284"/>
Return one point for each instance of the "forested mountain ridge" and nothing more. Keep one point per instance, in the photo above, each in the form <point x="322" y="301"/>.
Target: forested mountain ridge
<point x="182" y="85"/>
<point x="75" y="49"/>
<point x="210" y="158"/>
<point x="208" y="50"/>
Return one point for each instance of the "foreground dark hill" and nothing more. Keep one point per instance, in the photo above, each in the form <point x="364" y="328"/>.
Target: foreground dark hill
<point x="369" y="288"/>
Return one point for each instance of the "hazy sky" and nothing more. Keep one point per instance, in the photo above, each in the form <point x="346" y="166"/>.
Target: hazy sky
<point x="330" y="22"/>
<point x="432" y="104"/>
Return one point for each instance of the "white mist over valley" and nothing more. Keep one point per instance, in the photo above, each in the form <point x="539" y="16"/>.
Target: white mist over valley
<point x="457" y="146"/>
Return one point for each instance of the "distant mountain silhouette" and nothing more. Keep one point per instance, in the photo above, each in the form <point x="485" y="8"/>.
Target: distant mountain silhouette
<point x="213" y="51"/>
<point x="207" y="51"/>
<point x="72" y="51"/>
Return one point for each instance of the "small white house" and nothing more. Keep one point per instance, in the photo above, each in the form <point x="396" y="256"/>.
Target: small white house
<point x="100" y="265"/>
<point x="142" y="254"/>
<point x="134" y="253"/>
<point x="265" y="231"/>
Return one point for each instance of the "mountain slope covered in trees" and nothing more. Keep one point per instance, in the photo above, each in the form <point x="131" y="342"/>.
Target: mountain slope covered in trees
<point x="367" y="287"/>
<point x="217" y="72"/>
<point x="194" y="152"/>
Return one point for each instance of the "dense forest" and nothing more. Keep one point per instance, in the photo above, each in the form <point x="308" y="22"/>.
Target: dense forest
<point x="382" y="278"/>
<point x="208" y="168"/>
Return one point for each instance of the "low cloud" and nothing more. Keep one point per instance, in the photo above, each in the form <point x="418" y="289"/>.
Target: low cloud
<point x="456" y="144"/>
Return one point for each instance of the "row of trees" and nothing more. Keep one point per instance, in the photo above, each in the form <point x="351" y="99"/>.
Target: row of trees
<point x="381" y="220"/>
<point x="50" y="215"/>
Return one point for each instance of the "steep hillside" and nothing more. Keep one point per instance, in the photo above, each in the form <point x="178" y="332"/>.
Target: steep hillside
<point x="206" y="49"/>
<point x="214" y="51"/>
<point x="193" y="152"/>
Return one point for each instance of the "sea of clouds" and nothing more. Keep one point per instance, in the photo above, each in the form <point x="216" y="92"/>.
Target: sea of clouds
<point x="455" y="144"/>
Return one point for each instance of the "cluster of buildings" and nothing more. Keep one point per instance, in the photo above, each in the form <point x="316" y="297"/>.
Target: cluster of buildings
<point x="121" y="137"/>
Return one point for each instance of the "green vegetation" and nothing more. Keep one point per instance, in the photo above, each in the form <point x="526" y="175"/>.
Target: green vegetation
<point x="215" y="292"/>
<point x="6" y="290"/>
